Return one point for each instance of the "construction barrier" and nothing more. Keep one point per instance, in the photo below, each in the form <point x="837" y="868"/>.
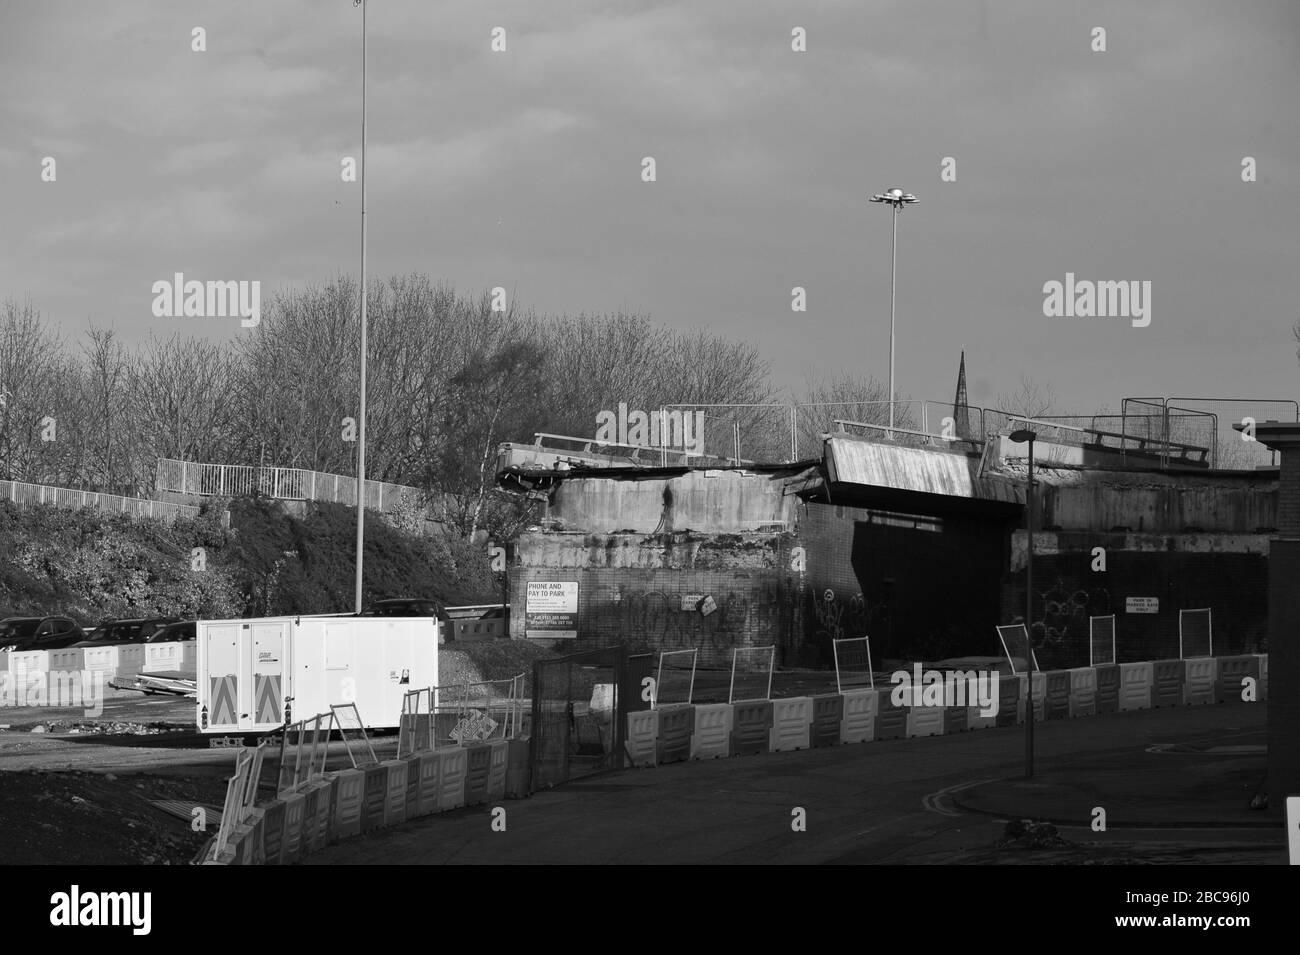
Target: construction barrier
<point x="1202" y="680"/>
<point x="478" y="760"/>
<point x="1009" y="707"/>
<point x="498" y="766"/>
<point x="331" y="815"/>
<point x="374" y="797"/>
<point x="891" y="720"/>
<point x="751" y="727"/>
<point x="68" y="663"/>
<point x="675" y="725"/>
<point x="451" y="778"/>
<point x="295" y="806"/>
<point x="428" y="773"/>
<point x="412" y="807"/>
<point x="1057" y="695"/>
<point x="1040" y="696"/>
<point x="273" y="831"/>
<point x="1107" y="688"/>
<point x="1232" y="670"/>
<point x="395" y="791"/>
<point x="954" y="718"/>
<point x="349" y="802"/>
<point x="1168" y="682"/>
<point x="336" y="805"/>
<point x="828" y="712"/>
<point x="1262" y="691"/>
<point x="858" y="724"/>
<point x="642" y="736"/>
<point x="1134" y="686"/>
<point x="248" y="839"/>
<point x="517" y="769"/>
<point x="977" y="719"/>
<point x="924" y="721"/>
<point x="311" y="804"/>
<point x="177" y="656"/>
<point x="711" y="737"/>
<point x="116" y="663"/>
<point x="791" y="724"/>
<point x="1083" y="691"/>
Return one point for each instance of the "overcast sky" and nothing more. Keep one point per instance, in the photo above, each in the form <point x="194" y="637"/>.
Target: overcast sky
<point x="523" y="169"/>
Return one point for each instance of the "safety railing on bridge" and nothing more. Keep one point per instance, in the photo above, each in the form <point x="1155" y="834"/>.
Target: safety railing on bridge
<point x="22" y="493"/>
<point x="1147" y="432"/>
<point x="290" y="484"/>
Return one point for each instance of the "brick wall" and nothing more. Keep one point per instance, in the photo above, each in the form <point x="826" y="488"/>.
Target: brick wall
<point x="631" y="589"/>
<point x="1067" y="592"/>
<point x="922" y="588"/>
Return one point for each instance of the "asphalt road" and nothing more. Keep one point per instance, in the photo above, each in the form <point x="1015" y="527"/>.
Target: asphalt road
<point x="1175" y="784"/>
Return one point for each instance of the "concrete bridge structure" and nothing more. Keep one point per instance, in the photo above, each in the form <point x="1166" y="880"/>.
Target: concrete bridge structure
<point x="915" y="539"/>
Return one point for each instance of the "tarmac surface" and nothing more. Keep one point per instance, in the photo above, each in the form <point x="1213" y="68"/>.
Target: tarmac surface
<point x="1175" y="785"/>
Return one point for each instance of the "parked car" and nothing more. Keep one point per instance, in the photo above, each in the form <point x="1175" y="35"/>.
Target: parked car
<point x="119" y="632"/>
<point x="176" y="632"/>
<point x="38" y="633"/>
<point x="407" y="607"/>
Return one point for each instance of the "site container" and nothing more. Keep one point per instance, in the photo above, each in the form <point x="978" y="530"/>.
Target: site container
<point x="255" y="675"/>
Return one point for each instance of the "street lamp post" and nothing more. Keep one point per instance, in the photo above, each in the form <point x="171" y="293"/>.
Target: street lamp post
<point x="361" y="424"/>
<point x="1020" y="437"/>
<point x="897" y="198"/>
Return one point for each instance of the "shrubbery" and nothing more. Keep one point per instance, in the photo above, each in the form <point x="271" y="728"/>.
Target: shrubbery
<point x="91" y="565"/>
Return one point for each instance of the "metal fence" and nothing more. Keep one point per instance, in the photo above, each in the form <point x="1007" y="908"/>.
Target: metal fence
<point x="1165" y="432"/>
<point x="290" y="484"/>
<point x="1237" y="450"/>
<point x="578" y="715"/>
<point x="21" y="493"/>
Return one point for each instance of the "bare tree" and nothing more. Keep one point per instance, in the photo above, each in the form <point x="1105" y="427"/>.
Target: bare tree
<point x="1031" y="399"/>
<point x="846" y="397"/>
<point x="35" y="395"/>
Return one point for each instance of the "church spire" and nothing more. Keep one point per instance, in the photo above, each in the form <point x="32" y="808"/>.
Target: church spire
<point x="960" y="409"/>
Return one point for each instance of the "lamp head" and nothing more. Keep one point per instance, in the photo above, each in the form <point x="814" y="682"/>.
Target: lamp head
<point x="1023" y="435"/>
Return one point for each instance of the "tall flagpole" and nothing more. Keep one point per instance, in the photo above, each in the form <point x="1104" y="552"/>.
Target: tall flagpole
<point x="361" y="429"/>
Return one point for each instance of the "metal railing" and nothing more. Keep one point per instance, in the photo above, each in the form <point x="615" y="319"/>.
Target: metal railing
<point x="1161" y="432"/>
<point x="22" y="493"/>
<point x="289" y="484"/>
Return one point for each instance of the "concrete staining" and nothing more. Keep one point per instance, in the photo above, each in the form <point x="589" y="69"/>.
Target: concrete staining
<point x="922" y="549"/>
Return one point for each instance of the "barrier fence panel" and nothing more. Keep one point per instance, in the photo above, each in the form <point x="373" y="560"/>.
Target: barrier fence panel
<point x="1195" y="634"/>
<point x="1015" y="644"/>
<point x="347" y="721"/>
<point x="751" y="673"/>
<point x="853" y="664"/>
<point x="474" y="712"/>
<point x="1235" y="446"/>
<point x="1101" y="640"/>
<point x="415" y="729"/>
<point x="578" y="718"/>
<point x="675" y="682"/>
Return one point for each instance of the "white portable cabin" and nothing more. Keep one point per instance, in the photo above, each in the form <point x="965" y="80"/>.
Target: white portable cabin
<point x="254" y="675"/>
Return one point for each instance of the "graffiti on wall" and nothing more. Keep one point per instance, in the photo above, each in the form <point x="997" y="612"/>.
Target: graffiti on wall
<point x="656" y="617"/>
<point x="1062" y="613"/>
<point x="836" y="618"/>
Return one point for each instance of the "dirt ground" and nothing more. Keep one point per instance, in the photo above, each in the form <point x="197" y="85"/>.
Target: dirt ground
<point x="76" y="818"/>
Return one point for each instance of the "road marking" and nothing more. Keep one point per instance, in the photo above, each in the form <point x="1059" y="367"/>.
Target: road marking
<point x="934" y="801"/>
<point x="1172" y="748"/>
